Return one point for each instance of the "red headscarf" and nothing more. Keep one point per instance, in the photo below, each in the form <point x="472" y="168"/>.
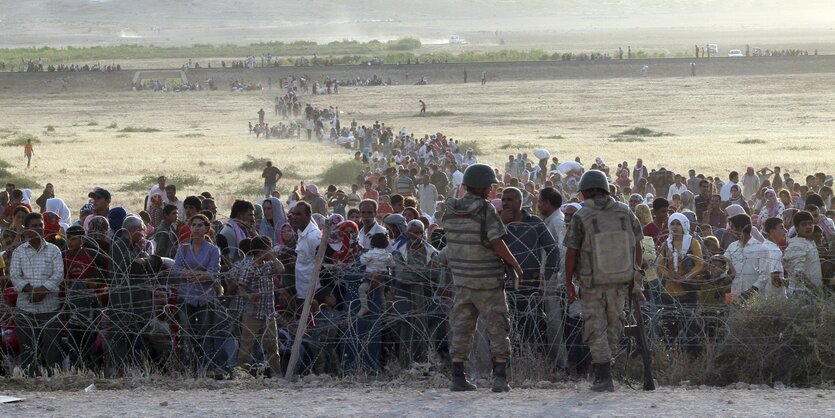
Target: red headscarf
<point x="351" y="248"/>
<point x="51" y="228"/>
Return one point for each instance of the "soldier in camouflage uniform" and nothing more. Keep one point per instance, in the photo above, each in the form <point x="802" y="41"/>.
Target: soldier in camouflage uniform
<point x="603" y="244"/>
<point x="477" y="256"/>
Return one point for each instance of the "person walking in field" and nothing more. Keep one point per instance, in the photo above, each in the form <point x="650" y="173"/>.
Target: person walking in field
<point x="28" y="152"/>
<point x="422" y="107"/>
<point x="484" y="77"/>
<point x="261" y="116"/>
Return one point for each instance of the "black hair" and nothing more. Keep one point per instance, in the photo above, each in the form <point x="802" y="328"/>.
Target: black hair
<point x="239" y="207"/>
<point x="379" y="240"/>
<point x="395" y="199"/>
<point x="741" y="221"/>
<point x="192" y="201"/>
<point x="814" y="199"/>
<point x="168" y="209"/>
<point x="371" y="202"/>
<point x="552" y="196"/>
<point x="306" y="206"/>
<point x="31" y="217"/>
<point x="771" y="223"/>
<point x="260" y="243"/>
<point x="660" y="203"/>
<point x="802" y="216"/>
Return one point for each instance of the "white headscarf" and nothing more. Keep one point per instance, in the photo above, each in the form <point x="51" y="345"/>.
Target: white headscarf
<point x="685" y="241"/>
<point x="57" y="206"/>
<point x="27" y="193"/>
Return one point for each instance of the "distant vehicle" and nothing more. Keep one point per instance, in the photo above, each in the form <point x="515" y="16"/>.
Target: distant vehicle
<point x="712" y="49"/>
<point x="455" y="39"/>
<point x="736" y="53"/>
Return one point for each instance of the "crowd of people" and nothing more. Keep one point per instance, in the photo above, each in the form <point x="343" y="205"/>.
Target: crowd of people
<point x="177" y="285"/>
<point x="36" y="66"/>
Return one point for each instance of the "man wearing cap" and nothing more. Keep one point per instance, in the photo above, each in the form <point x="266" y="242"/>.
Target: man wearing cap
<point x="604" y="250"/>
<point x="36" y="272"/>
<point x="101" y="201"/>
<point x="477" y="257"/>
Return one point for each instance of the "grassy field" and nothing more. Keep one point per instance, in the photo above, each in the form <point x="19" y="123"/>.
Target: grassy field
<point x="119" y="140"/>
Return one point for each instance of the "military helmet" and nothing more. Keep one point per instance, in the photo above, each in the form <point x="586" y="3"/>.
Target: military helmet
<point x="593" y="179"/>
<point x="480" y="175"/>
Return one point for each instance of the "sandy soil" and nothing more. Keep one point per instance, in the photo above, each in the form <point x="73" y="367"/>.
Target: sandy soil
<point x="402" y="401"/>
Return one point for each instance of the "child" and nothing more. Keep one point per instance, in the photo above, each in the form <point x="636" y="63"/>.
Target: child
<point x="377" y="262"/>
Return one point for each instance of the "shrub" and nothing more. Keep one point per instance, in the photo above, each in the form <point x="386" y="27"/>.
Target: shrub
<point x="92" y="123"/>
<point x="20" y="140"/>
<point x="639" y="131"/>
<point x="344" y="172"/>
<point x="50" y="128"/>
<point x="435" y="113"/>
<point x="138" y="129"/>
<point x="113" y="125"/>
<point x="629" y="139"/>
<point x="182" y="181"/>
<point x="253" y="164"/>
<point x="552" y="137"/>
<point x="750" y="141"/>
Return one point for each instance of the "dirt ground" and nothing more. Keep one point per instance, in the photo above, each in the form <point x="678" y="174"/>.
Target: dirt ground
<point x="415" y="402"/>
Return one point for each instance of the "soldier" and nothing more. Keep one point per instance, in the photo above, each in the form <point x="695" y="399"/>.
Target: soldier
<point x="477" y="257"/>
<point x="603" y="247"/>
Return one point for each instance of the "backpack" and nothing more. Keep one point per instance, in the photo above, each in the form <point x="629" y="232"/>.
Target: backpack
<point x="612" y="244"/>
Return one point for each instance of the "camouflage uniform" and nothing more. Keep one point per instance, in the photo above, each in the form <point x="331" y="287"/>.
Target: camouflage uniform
<point x="478" y="275"/>
<point x="603" y="305"/>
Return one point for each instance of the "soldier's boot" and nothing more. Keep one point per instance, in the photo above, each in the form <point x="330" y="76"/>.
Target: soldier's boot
<point x="603" y="378"/>
<point x="500" y="377"/>
<point x="459" y="381"/>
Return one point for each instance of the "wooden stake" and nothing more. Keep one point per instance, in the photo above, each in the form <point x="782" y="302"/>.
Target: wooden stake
<point x="317" y="268"/>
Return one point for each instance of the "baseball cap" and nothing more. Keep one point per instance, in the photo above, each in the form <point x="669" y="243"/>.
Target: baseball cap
<point x="99" y="192"/>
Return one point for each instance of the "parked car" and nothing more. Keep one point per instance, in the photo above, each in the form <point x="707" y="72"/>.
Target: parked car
<point x="455" y="39"/>
<point x="735" y="53"/>
<point x="712" y="49"/>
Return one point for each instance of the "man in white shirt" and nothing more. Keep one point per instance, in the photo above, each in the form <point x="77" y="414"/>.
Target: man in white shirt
<point x="457" y="179"/>
<point x="801" y="259"/>
<point x="37" y="270"/>
<point x="676" y="188"/>
<point x="775" y="232"/>
<point x="427" y="196"/>
<point x="309" y="237"/>
<point x="748" y="257"/>
<point x="725" y="192"/>
<point x="369" y="226"/>
<point x="549" y="207"/>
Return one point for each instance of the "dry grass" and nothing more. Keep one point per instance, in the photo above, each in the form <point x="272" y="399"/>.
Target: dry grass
<point x="491" y="120"/>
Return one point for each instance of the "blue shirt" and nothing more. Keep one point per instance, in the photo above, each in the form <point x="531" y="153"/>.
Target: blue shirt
<point x="208" y="260"/>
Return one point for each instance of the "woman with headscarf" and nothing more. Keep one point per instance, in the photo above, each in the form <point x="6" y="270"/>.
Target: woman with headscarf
<point x="772" y="207"/>
<point x="272" y="220"/>
<point x="115" y="217"/>
<point x="155" y="209"/>
<point x="57" y="206"/>
<point x="680" y="260"/>
<point x="738" y="199"/>
<point x="688" y="200"/>
<point x="27" y="196"/>
<point x="286" y="252"/>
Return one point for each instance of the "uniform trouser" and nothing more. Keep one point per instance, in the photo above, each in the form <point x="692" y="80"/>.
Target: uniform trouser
<point x="264" y="332"/>
<point x="37" y="336"/>
<point x="470" y="305"/>
<point x="604" y="319"/>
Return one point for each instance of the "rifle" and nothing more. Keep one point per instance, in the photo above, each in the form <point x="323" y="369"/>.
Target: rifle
<point x="643" y="344"/>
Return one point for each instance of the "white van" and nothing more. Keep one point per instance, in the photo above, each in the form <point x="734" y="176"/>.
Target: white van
<point x="455" y="39"/>
<point x="712" y="48"/>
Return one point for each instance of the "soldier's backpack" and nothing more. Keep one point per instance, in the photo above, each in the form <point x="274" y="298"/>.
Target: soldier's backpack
<point x="611" y="243"/>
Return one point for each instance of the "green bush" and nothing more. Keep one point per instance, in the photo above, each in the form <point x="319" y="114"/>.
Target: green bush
<point x="253" y="164"/>
<point x="182" y="181"/>
<point x="20" y="140"/>
<point x="138" y="129"/>
<point x="640" y="131"/>
<point x="750" y="141"/>
<point x="344" y="172"/>
<point x="436" y="113"/>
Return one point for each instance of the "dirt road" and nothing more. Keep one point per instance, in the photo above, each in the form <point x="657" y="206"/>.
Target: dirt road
<point x="368" y="401"/>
